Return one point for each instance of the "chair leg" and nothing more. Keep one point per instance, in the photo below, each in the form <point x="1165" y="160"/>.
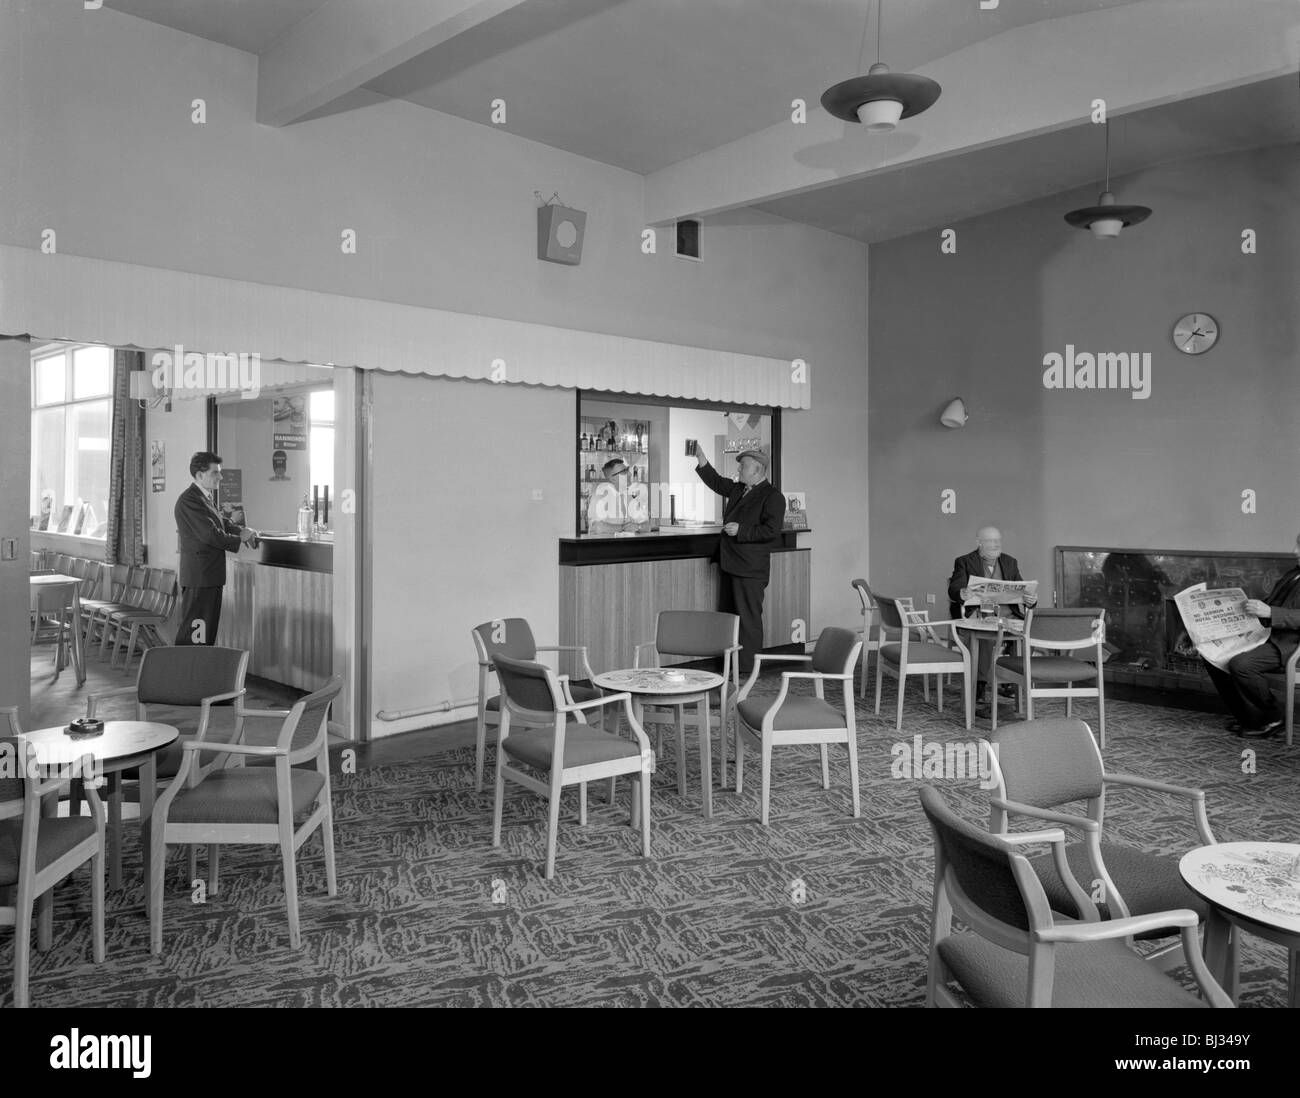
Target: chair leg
<point x="158" y="858"/>
<point x="194" y="864"/>
<point x="609" y="791"/>
<point x="291" y="887"/>
<point x="582" y="804"/>
<point x="722" y="747"/>
<point x="214" y="868"/>
<point x="1101" y="715"/>
<point x="327" y="840"/>
<point x="879" y="672"/>
<point x="766" y="778"/>
<point x="22" y="951"/>
<point x="680" y="712"/>
<point x="644" y="791"/>
<point x="826" y="768"/>
<point x="115" y="831"/>
<point x="97" y="902"/>
<point x="497" y="802"/>
<point x="480" y="746"/>
<point x="552" y="827"/>
<point x="852" y="744"/>
<point x="902" y="689"/>
<point x="740" y="760"/>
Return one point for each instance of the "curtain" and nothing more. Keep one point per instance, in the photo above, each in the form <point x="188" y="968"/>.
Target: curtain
<point x="125" y="543"/>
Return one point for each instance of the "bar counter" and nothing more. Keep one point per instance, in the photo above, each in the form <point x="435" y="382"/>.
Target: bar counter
<point x="279" y="605"/>
<point x="612" y="586"/>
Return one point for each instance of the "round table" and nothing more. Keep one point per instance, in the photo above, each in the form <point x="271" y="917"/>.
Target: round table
<point x="670" y="687"/>
<point x="1254" y="887"/>
<point x="122" y="746"/>
<point x="980" y="629"/>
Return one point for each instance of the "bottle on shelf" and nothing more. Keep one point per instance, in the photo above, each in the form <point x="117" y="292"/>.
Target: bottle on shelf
<point x="583" y="443"/>
<point x="304" y="520"/>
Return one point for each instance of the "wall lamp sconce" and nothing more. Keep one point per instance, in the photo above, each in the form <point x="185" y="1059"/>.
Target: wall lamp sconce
<point x="955" y="414"/>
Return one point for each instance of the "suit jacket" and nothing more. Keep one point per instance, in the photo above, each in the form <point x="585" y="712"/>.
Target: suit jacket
<point x="206" y="536"/>
<point x="1286" y="613"/>
<point x="972" y="565"/>
<point x="758" y="514"/>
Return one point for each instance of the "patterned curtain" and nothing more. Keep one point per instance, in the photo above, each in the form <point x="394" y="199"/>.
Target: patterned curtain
<point x="126" y="481"/>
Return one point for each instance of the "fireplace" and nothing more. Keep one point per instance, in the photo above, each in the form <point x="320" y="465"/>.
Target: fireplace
<point x="1137" y="588"/>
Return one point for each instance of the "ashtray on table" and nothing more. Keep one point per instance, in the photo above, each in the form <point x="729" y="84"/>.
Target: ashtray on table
<point x="84" y="728"/>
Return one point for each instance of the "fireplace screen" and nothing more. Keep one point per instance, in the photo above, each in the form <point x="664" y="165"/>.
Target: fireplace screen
<point x="1137" y="588"/>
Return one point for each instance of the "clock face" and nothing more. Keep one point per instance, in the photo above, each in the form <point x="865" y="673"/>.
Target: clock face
<point x="1196" y="333"/>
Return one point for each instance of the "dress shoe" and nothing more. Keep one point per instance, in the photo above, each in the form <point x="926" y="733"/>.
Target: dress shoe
<point x="1007" y="690"/>
<point x="1272" y="728"/>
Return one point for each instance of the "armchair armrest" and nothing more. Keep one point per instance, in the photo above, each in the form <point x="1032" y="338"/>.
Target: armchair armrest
<point x="636" y="652"/>
<point x="813" y="675"/>
<point x="1018" y="809"/>
<point x="1196" y="796"/>
<point x="594" y="703"/>
<point x="231" y="748"/>
<point x="93" y="700"/>
<point x="242" y="712"/>
<point x="1118" y="928"/>
<point x="1019" y="838"/>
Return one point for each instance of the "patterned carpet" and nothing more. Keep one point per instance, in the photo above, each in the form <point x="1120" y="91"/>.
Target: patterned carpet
<point x="429" y="914"/>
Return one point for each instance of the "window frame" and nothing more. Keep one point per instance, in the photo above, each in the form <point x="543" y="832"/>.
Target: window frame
<point x="68" y="351"/>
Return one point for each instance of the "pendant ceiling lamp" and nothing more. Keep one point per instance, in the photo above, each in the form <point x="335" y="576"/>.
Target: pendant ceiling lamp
<point x="879" y="99"/>
<point x="1107" y="219"/>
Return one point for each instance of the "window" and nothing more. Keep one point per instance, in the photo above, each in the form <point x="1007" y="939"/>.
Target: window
<point x="72" y="413"/>
<point x="660" y="490"/>
<point x="320" y="440"/>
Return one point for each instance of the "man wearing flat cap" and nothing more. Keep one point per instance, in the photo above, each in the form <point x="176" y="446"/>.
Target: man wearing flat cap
<point x="752" y="516"/>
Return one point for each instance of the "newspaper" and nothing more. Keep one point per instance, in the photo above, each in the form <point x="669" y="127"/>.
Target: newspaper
<point x="1000" y="591"/>
<point x="1217" y="622"/>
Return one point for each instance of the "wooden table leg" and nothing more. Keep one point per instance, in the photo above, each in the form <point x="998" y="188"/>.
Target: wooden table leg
<point x="78" y="652"/>
<point x="45" y="902"/>
<point x="1218" y="957"/>
<point x="706" y="757"/>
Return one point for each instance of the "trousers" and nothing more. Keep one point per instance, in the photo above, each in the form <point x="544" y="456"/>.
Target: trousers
<point x="1243" y="687"/>
<point x="743" y="595"/>
<point x="200" y="614"/>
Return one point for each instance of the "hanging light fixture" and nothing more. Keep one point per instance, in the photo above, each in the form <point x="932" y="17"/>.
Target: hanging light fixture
<point x="879" y="99"/>
<point x="1107" y="219"/>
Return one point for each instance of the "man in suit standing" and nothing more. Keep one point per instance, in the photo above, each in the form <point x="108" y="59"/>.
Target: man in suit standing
<point x="206" y="536"/>
<point x="986" y="562"/>
<point x="1242" y="686"/>
<point x="751" y="516"/>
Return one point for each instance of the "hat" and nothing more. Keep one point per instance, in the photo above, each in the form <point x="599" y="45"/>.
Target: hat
<point x="757" y="455"/>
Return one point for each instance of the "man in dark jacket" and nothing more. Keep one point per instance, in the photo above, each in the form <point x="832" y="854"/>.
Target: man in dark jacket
<point x="1243" y="687"/>
<point x="752" y="516"/>
<point x="206" y="536"/>
<point x="986" y="562"/>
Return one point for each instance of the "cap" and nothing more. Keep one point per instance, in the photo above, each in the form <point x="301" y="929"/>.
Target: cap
<point x="757" y="455"/>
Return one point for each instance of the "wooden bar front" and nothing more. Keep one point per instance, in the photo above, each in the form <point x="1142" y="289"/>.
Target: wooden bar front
<point x="611" y="606"/>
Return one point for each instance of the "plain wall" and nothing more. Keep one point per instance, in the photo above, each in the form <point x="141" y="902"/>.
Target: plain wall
<point x="183" y="431"/>
<point x="445" y="216"/>
<point x="15" y="461"/>
<point x="1084" y="467"/>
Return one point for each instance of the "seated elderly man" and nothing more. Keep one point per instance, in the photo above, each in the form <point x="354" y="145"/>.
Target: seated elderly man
<point x="1243" y="687"/>
<point x="986" y="562"/>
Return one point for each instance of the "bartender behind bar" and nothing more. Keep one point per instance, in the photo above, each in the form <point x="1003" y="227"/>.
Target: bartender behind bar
<point x="616" y="506"/>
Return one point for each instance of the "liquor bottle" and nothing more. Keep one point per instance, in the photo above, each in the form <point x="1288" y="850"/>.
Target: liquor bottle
<point x="582" y="442"/>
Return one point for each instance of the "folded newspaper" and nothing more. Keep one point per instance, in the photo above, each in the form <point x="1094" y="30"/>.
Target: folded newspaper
<point x="999" y="590"/>
<point x="1217" y="623"/>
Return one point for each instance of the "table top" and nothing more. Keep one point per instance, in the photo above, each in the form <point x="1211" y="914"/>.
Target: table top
<point x="41" y="581"/>
<point x="990" y="625"/>
<point x="120" y="740"/>
<point x="658" y="681"/>
<point x="1260" y="881"/>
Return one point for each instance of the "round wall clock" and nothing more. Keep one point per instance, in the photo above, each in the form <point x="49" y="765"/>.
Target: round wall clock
<point x="1196" y="333"/>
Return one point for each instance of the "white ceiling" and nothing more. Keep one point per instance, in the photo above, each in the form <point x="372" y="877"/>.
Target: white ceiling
<point x="645" y="84"/>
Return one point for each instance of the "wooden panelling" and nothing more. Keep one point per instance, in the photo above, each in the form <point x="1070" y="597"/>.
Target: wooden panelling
<point x="789" y="599"/>
<point x="284" y="618"/>
<point x="611" y="607"/>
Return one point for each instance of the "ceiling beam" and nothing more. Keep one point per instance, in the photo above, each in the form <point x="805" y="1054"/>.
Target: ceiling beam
<point x="346" y="43"/>
<point x="1029" y="80"/>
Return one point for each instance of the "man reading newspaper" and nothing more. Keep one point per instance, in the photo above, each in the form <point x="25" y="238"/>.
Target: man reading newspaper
<point x="1241" y="682"/>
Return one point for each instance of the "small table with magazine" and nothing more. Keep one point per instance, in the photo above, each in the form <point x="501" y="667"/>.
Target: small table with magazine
<point x="673" y="687"/>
